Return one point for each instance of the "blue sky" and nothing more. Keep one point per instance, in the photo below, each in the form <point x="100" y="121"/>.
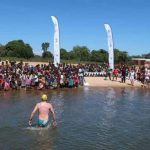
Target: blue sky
<point x="81" y="23"/>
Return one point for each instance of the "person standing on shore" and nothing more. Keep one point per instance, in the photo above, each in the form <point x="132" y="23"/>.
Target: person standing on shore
<point x="115" y="73"/>
<point x="108" y="73"/>
<point x="123" y="74"/>
<point x="132" y="76"/>
<point x="43" y="109"/>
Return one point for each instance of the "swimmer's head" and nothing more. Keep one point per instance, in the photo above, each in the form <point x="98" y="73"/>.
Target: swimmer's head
<point x="44" y="97"/>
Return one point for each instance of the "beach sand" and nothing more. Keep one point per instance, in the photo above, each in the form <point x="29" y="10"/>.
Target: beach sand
<point x="100" y="82"/>
<point x="33" y="63"/>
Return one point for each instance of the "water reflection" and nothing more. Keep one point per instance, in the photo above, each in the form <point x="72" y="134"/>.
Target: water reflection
<point x="88" y="118"/>
<point x="57" y="99"/>
<point x="42" y="139"/>
<point x="109" y="109"/>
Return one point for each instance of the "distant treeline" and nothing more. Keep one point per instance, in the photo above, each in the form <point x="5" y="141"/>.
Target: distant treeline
<point x="19" y="49"/>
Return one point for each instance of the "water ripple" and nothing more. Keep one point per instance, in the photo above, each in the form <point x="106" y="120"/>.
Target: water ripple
<point x="88" y="119"/>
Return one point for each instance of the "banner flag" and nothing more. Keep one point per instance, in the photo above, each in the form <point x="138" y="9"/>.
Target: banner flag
<point x="110" y="45"/>
<point x="56" y="41"/>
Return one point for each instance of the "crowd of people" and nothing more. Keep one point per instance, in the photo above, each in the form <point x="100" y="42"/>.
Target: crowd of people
<point x="123" y="72"/>
<point x="19" y="75"/>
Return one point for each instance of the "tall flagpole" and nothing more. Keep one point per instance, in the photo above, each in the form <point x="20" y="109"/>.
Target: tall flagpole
<point x="110" y="45"/>
<point x="56" y="41"/>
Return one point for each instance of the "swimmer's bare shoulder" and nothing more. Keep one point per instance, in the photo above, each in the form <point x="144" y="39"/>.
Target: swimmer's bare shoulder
<point x="38" y="104"/>
<point x="50" y="106"/>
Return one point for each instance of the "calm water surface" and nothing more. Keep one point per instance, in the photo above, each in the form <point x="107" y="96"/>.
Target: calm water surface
<point x="88" y="119"/>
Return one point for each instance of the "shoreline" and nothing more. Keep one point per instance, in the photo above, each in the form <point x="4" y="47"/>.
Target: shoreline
<point x="100" y="82"/>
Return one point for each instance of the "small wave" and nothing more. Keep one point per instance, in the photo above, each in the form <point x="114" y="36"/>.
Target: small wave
<point x="38" y="128"/>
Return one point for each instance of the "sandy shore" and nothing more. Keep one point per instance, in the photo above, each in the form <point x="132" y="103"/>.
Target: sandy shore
<point x="100" y="82"/>
<point x="34" y="63"/>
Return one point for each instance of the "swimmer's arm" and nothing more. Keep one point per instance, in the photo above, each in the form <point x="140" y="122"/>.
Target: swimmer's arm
<point x="53" y="113"/>
<point x="54" y="116"/>
<point x="33" y="112"/>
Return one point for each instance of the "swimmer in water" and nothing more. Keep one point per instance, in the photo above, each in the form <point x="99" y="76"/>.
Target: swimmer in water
<point x="43" y="109"/>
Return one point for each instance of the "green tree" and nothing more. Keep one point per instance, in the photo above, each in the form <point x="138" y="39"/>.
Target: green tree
<point x="47" y="54"/>
<point x="17" y="48"/>
<point x="120" y="56"/>
<point x="82" y="53"/>
<point x="64" y="54"/>
<point x="116" y="55"/>
<point x="95" y="56"/>
<point x="71" y="55"/>
<point x="103" y="55"/>
<point x="45" y="46"/>
<point x="125" y="56"/>
<point x="99" y="55"/>
<point x="2" y="50"/>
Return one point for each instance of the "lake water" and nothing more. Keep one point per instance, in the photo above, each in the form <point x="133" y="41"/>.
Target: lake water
<point x="88" y="119"/>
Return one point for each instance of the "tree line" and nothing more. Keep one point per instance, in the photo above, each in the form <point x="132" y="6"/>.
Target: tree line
<point x="16" y="48"/>
<point x="19" y="49"/>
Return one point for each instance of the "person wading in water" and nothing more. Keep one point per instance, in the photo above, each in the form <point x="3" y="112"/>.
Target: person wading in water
<point x="43" y="109"/>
